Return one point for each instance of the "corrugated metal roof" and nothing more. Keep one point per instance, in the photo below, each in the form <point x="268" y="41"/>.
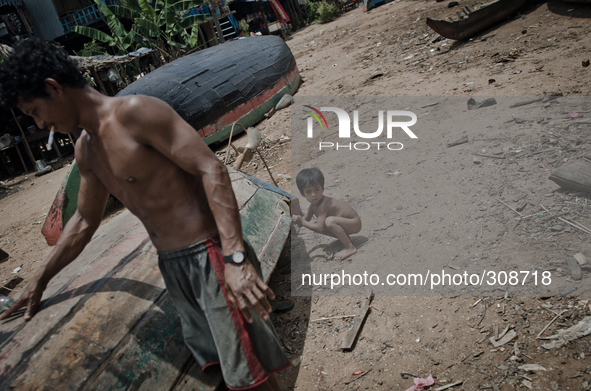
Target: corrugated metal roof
<point x="45" y="19"/>
<point x="10" y="2"/>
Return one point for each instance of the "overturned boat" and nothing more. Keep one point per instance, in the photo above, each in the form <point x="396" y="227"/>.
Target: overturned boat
<point x="472" y="22"/>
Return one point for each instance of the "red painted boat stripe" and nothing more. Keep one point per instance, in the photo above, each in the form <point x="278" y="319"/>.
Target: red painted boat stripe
<point x="245" y="108"/>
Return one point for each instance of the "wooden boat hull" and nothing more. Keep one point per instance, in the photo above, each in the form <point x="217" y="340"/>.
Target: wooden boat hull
<point x="215" y="87"/>
<point x="476" y="21"/>
<point x="210" y="89"/>
<point x="107" y="322"/>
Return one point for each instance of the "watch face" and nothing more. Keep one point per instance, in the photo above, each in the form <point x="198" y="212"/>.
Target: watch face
<point x="238" y="257"/>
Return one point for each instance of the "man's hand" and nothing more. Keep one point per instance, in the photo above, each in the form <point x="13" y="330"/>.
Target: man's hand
<point x="244" y="285"/>
<point x="30" y="299"/>
<point x="297" y="220"/>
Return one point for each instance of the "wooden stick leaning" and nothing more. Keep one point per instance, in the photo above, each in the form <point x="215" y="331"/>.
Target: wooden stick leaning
<point x="50" y="139"/>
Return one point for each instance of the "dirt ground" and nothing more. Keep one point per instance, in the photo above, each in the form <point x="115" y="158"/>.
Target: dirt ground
<point x="386" y="52"/>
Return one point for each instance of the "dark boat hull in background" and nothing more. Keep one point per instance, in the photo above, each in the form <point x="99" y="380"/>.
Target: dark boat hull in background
<point x="237" y="81"/>
<point x="475" y="21"/>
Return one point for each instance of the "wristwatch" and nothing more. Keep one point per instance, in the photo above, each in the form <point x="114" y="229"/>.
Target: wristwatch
<point x="236" y="258"/>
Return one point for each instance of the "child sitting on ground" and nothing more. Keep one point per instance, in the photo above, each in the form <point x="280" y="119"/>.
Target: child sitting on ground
<point x="334" y="217"/>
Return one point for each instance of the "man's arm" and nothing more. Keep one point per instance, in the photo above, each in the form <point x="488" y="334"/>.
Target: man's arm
<point x="154" y="123"/>
<point x="92" y="199"/>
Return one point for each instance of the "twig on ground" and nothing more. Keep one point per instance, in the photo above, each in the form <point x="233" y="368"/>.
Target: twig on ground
<point x="543" y="207"/>
<point x="333" y="317"/>
<point x="520" y="215"/>
<point x="576" y="225"/>
<point x="548" y="325"/>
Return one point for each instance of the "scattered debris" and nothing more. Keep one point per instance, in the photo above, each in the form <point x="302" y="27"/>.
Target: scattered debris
<point x="421" y="384"/>
<point x="575" y="175"/>
<point x="532" y="367"/>
<point x="450" y="385"/>
<point x="586" y="63"/>
<point x="580" y="258"/>
<point x="44" y="171"/>
<point x="510" y="207"/>
<point x="564" y="336"/>
<point x="491" y="156"/>
<point x="473" y="105"/>
<point x="363" y="373"/>
<point x="285" y="101"/>
<point x="548" y="325"/>
<point x="463" y="140"/>
<point x="333" y="317"/>
<point x="503" y="339"/>
<point x="575" y="268"/>
<point x="527" y="102"/>
<point x="568" y="291"/>
<point x="3" y="256"/>
<point x="270" y="113"/>
<point x="576" y="225"/>
<point x="357" y="322"/>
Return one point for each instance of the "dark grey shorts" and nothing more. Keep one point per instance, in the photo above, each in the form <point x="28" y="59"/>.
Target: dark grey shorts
<point x="214" y="331"/>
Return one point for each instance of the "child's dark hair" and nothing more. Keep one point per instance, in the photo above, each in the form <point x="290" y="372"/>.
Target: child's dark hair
<point x="309" y="177"/>
<point x="23" y="73"/>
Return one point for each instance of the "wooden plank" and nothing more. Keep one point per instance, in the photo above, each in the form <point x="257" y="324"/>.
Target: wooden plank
<point x="269" y="254"/>
<point x="259" y="218"/>
<point x="196" y="379"/>
<point x="85" y="338"/>
<point x="244" y="190"/>
<point x="574" y="175"/>
<point x="149" y="358"/>
<point x="357" y="322"/>
<point x="65" y="294"/>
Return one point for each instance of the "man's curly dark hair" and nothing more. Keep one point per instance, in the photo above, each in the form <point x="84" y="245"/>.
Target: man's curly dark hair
<point x="23" y="73"/>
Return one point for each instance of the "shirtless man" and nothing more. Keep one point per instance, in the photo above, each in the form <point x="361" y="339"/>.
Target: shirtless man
<point x="334" y="218"/>
<point x="141" y="151"/>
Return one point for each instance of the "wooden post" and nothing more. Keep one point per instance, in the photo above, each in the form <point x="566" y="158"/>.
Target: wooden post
<point x="24" y="19"/>
<point x="24" y="139"/>
<point x="296" y="4"/>
<point x="201" y="37"/>
<point x="216" y="21"/>
<point x="98" y="80"/>
<point x="295" y="19"/>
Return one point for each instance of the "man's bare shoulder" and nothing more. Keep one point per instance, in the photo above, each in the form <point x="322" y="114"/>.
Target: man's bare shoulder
<point x="130" y="110"/>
